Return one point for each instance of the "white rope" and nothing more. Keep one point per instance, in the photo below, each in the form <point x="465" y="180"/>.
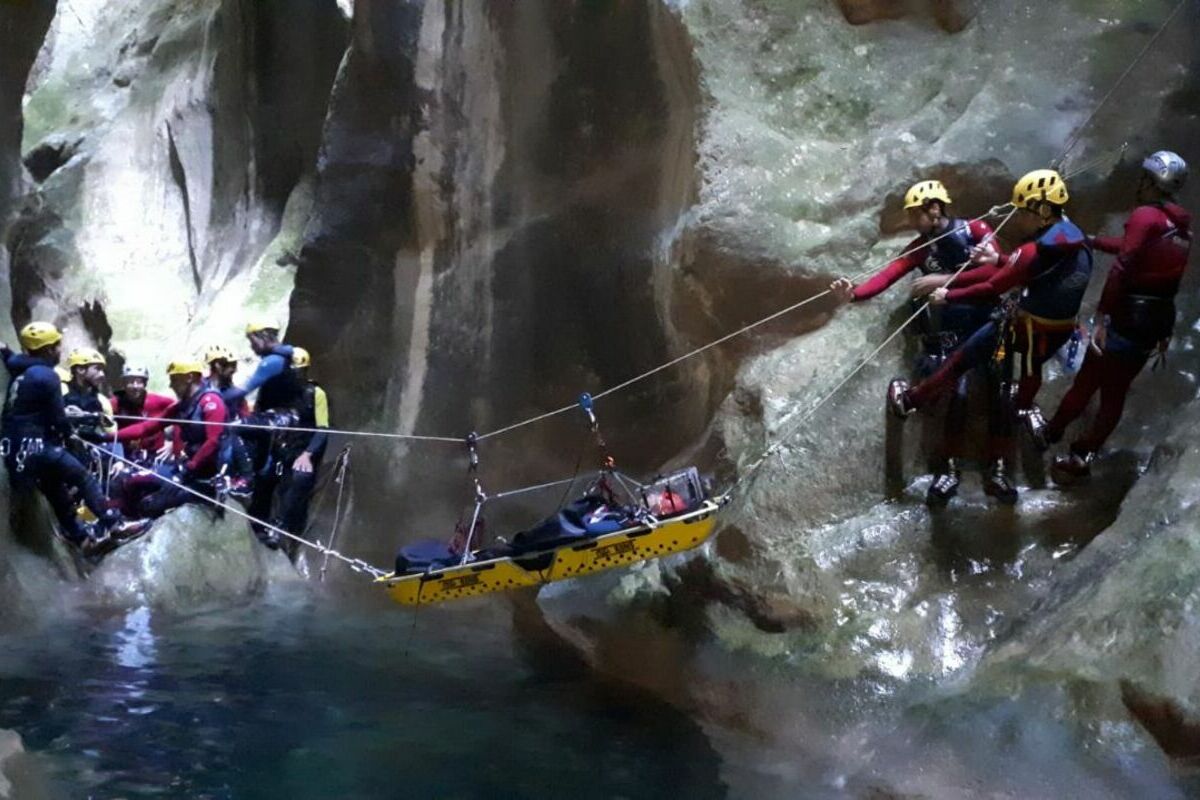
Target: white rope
<point x="806" y="416"/>
<point x="1077" y="136"/>
<point x="289" y="428"/>
<point x="344" y="458"/>
<point x="739" y="332"/>
<point x="539" y="487"/>
<point x="356" y="564"/>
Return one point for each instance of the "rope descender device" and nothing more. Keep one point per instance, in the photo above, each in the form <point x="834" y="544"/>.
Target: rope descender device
<point x="472" y="442"/>
<point x="588" y="405"/>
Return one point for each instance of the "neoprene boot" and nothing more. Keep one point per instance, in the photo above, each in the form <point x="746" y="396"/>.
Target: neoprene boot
<point x="1072" y="467"/>
<point x="999" y="485"/>
<point x="944" y="486"/>
<point x="1039" y="432"/>
<point x="897" y="398"/>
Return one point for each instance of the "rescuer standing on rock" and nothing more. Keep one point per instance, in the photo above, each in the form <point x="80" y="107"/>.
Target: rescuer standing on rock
<point x="1053" y="268"/>
<point x="1136" y="314"/>
<point x="234" y="456"/>
<point x="944" y="329"/>
<point x="279" y="393"/>
<point x="301" y="452"/>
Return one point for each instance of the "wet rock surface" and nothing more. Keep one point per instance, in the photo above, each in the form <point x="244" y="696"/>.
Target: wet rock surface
<point x="487" y="209"/>
<point x="189" y="561"/>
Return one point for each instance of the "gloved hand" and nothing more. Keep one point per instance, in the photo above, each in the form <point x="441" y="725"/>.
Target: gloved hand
<point x="842" y="290"/>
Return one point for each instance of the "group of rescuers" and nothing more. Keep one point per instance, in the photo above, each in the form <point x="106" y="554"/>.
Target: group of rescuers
<point x="1002" y="316"/>
<point x="998" y="315"/>
<point x="109" y="465"/>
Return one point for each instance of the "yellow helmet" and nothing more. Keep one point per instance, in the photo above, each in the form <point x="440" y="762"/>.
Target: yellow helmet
<point x="37" y="335"/>
<point x="261" y="324"/>
<point x="85" y="357"/>
<point x="921" y="193"/>
<point x="1041" y="184"/>
<point x="301" y="358"/>
<point x="185" y="366"/>
<point x="218" y="353"/>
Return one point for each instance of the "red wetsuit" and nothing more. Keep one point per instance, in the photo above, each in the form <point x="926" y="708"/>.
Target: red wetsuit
<point x="918" y="254"/>
<point x="199" y="444"/>
<point x="1151" y="259"/>
<point x="154" y="405"/>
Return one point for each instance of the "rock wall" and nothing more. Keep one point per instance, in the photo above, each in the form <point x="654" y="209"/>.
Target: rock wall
<point x="22" y="27"/>
<point x="169" y="141"/>
<point x="488" y="239"/>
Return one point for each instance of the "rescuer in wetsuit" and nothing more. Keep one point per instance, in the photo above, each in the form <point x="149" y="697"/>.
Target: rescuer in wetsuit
<point x="89" y="410"/>
<point x="33" y="429"/>
<point x="944" y="329"/>
<point x="234" y="456"/>
<point x="301" y="452"/>
<point x="196" y="418"/>
<point x="133" y="400"/>
<point x="1052" y="270"/>
<point x="279" y="393"/>
<point x="1136" y="314"/>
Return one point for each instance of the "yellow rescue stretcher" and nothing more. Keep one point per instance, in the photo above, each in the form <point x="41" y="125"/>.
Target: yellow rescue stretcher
<point x="652" y="539"/>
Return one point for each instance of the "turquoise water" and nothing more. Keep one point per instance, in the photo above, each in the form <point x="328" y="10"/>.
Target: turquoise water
<point x="304" y="696"/>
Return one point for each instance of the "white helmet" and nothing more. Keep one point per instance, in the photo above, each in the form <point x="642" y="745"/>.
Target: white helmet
<point x="1167" y="171"/>
<point x="135" y="372"/>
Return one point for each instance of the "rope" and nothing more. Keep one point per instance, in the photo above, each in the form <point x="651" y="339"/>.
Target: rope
<point x="538" y="487"/>
<point x="1077" y="136"/>
<point x="1119" y="152"/>
<point x="733" y="334"/>
<point x="344" y="465"/>
<point x="356" y="564"/>
<point x="770" y="451"/>
<point x="291" y="428"/>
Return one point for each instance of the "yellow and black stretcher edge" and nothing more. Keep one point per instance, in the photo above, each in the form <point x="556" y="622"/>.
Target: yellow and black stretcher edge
<point x="604" y="552"/>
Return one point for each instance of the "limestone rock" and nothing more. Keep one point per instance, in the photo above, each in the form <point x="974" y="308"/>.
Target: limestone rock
<point x="189" y="560"/>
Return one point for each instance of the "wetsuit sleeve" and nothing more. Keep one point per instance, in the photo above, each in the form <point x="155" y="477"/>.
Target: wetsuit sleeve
<point x="1017" y="271"/>
<point x="268" y="368"/>
<point x="970" y="277"/>
<point x="212" y="410"/>
<point x="157" y="405"/>
<point x="146" y="428"/>
<point x="321" y="411"/>
<point x="57" y="410"/>
<point x="1140" y="229"/>
<point x="893" y="272"/>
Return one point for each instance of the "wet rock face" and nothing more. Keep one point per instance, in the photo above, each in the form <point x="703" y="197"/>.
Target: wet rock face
<point x="190" y="560"/>
<point x="494" y="187"/>
<point x="22" y="27"/>
<point x="168" y="139"/>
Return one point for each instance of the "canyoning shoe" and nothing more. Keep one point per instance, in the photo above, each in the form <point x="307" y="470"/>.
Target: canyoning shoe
<point x="897" y="399"/>
<point x="1035" y="424"/>
<point x="999" y="485"/>
<point x="240" y="489"/>
<point x="944" y="487"/>
<point x="1072" y="467"/>
<point x="269" y="538"/>
<point x="129" y="529"/>
<point x="94" y="548"/>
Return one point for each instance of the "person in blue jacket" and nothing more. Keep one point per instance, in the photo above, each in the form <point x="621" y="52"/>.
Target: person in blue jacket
<point x="33" y="429"/>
